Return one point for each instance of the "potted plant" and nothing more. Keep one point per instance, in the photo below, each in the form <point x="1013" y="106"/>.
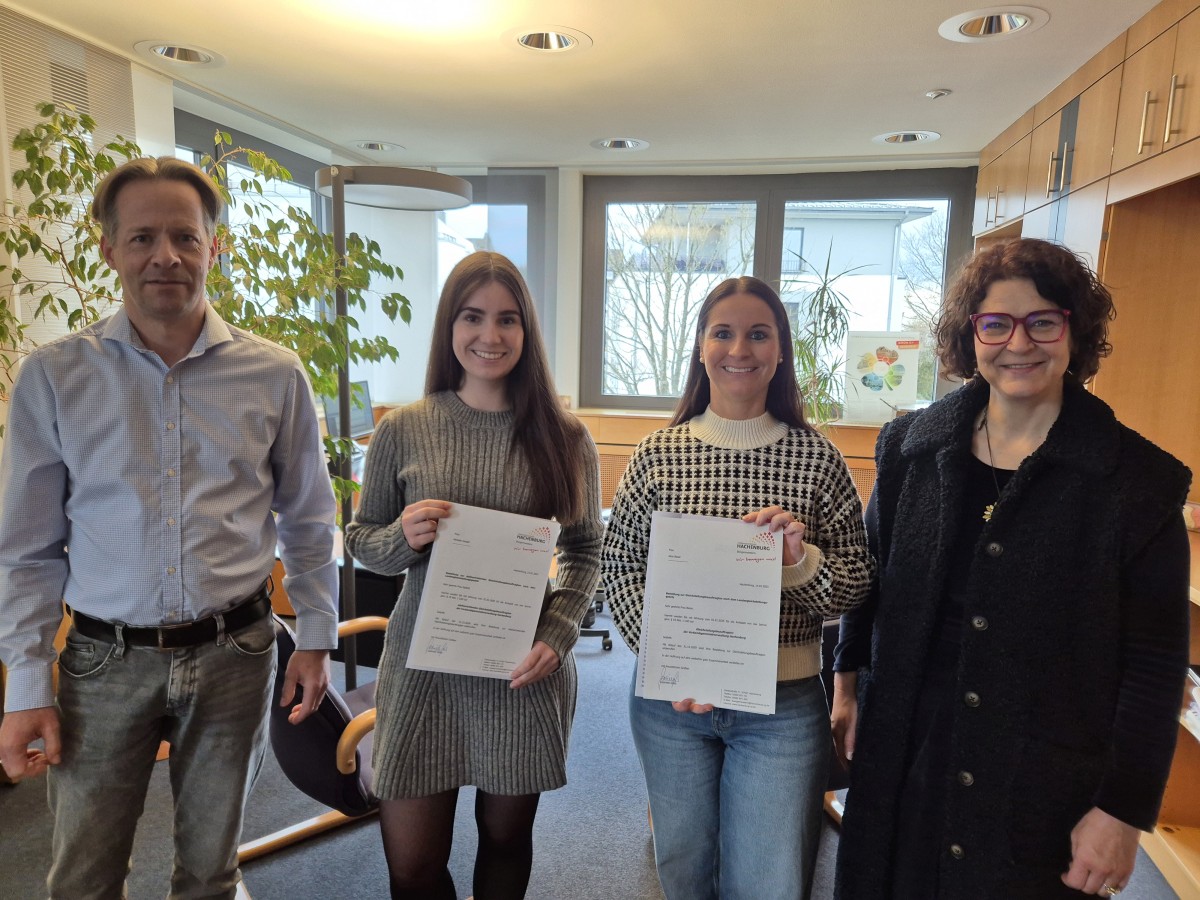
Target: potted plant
<point x="819" y="341"/>
<point x="277" y="271"/>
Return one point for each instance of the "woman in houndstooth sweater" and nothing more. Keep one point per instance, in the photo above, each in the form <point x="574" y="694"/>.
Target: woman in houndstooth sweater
<point x="736" y="796"/>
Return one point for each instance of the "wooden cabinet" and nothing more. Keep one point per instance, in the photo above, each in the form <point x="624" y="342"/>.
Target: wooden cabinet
<point x="1145" y="95"/>
<point x="1183" y="105"/>
<point x="1095" y="125"/>
<point x="1000" y="192"/>
<point x="1049" y="148"/>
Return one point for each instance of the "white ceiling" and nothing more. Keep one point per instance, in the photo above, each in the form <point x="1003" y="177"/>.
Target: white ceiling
<point x="764" y="85"/>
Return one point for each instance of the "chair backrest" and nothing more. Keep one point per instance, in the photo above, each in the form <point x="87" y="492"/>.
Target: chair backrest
<point x="307" y="752"/>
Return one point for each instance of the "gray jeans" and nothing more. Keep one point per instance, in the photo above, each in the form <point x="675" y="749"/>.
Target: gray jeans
<point x="116" y="703"/>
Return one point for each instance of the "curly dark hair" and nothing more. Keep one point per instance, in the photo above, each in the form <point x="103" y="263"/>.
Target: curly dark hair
<point x="1059" y="275"/>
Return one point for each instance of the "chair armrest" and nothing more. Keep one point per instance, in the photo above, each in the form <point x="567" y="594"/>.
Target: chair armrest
<point x="356" y="729"/>
<point x="361" y="624"/>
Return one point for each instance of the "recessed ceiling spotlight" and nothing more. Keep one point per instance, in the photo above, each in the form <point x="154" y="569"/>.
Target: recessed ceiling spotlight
<point x="377" y="146"/>
<point x="905" y="137"/>
<point x="625" y="144"/>
<point x="179" y="54"/>
<point x="938" y="93"/>
<point x="551" y="39"/>
<point x="993" y="24"/>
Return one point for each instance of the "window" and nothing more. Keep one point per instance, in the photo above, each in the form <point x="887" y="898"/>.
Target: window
<point x="655" y="247"/>
<point x="662" y="259"/>
<point x="512" y="214"/>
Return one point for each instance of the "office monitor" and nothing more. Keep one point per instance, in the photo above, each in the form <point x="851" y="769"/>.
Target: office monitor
<point x="362" y="416"/>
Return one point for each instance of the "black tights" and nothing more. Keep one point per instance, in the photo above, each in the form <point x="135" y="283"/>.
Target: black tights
<point x="417" y="835"/>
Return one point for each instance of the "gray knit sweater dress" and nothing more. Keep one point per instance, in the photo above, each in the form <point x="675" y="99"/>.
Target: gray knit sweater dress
<point x="437" y="731"/>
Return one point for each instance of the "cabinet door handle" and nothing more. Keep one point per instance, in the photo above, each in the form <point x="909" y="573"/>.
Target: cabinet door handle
<point x="1167" y="132"/>
<point x="1062" y="173"/>
<point x="1050" y="173"/>
<point x="998" y="217"/>
<point x="987" y="203"/>
<point x="1142" y="133"/>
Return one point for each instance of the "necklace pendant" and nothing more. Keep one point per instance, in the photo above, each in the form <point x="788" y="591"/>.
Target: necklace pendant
<point x="987" y="512"/>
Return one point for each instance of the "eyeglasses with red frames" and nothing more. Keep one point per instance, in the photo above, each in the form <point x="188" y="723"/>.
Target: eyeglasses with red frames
<point x="1044" y="326"/>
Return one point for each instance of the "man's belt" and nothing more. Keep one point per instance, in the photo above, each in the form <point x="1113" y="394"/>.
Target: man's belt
<point x="187" y="634"/>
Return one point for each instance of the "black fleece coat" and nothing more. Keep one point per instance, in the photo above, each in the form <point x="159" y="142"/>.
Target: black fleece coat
<point x="1073" y="655"/>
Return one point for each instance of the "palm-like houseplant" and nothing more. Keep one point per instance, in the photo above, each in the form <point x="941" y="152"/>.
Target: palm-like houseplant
<point x="277" y="275"/>
<point x="819" y="341"/>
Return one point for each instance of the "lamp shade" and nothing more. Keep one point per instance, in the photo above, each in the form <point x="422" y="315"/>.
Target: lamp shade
<point x="395" y="187"/>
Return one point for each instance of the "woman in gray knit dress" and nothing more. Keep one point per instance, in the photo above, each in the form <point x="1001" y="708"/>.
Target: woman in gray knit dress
<point x="489" y="421"/>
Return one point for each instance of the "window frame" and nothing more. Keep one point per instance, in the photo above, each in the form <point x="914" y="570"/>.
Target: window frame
<point x="770" y="193"/>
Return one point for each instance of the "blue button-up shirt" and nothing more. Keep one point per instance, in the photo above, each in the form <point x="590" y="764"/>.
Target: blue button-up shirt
<point x="147" y="495"/>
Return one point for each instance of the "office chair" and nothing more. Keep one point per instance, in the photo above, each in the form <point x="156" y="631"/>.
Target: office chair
<point x="328" y="755"/>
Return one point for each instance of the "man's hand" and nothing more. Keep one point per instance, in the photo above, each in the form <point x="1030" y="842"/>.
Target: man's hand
<point x="20" y="729"/>
<point x="310" y="670"/>
<point x="540" y="662"/>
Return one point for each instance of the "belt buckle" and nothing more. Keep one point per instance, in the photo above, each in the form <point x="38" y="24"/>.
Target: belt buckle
<point x="162" y="629"/>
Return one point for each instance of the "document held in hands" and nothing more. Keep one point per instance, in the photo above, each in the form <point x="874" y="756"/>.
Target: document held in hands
<point x="710" y="620"/>
<point x="483" y="592"/>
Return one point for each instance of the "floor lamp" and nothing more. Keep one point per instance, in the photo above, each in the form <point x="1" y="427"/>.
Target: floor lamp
<point x="385" y="187"/>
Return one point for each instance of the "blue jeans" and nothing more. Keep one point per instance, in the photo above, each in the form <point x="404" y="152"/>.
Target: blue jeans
<point x="116" y="703"/>
<point x="736" y="796"/>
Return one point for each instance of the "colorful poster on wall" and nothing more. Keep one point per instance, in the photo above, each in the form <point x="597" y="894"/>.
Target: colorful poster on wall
<point x="881" y="374"/>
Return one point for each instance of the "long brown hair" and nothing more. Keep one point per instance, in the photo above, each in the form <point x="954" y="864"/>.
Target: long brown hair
<point x="551" y="440"/>
<point x="783" y="394"/>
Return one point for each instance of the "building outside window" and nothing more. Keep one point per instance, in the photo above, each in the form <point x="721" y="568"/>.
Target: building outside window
<point x="884" y="239"/>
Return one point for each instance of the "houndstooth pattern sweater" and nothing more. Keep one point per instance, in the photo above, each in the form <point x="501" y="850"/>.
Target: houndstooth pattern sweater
<point x="437" y="731"/>
<point x="720" y="467"/>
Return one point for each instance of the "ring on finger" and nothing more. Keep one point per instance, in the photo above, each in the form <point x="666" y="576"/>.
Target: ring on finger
<point x="1109" y="889"/>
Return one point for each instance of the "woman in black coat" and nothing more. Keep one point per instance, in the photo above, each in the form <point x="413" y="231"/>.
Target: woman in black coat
<point x="1008" y="696"/>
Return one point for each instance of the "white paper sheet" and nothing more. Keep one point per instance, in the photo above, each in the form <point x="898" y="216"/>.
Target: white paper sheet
<point x="710" y="621"/>
<point x="483" y="592"/>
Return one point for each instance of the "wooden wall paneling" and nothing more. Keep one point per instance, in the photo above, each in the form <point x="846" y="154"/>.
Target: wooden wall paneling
<point x="1152" y="268"/>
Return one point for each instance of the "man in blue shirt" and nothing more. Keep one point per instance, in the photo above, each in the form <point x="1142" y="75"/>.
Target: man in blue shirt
<point x="171" y="454"/>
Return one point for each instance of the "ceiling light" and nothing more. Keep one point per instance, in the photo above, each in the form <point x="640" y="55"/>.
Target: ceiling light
<point x="620" y="144"/>
<point x="390" y="187"/>
<point x="546" y="40"/>
<point x="905" y="137"/>
<point x="550" y="39"/>
<point x="993" y="24"/>
<point x="938" y="93"/>
<point x="377" y="146"/>
<point x="179" y="54"/>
